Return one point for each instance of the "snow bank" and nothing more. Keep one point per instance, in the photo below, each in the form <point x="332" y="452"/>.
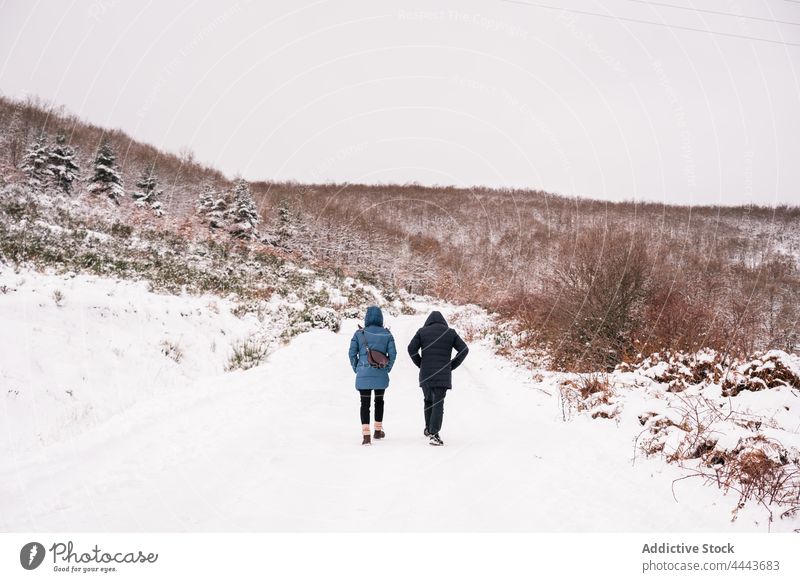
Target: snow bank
<point x="734" y="425"/>
<point x="79" y="348"/>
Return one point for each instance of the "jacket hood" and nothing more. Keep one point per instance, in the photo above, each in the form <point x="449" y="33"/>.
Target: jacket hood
<point x="374" y="316"/>
<point x="435" y="317"/>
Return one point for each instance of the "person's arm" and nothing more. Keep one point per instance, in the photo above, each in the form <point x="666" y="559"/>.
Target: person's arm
<point x="353" y="353"/>
<point x="413" y="350"/>
<point x="392" y="351"/>
<point x="461" y="347"/>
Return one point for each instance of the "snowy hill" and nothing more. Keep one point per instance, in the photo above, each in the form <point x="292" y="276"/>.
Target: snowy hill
<point x="656" y="275"/>
<point x="174" y="357"/>
<point x="106" y="428"/>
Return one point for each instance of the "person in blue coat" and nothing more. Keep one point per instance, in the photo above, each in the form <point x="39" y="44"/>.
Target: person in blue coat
<point x="368" y="377"/>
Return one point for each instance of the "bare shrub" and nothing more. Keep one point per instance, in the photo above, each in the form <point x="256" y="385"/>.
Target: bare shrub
<point x="751" y="471"/>
<point x="680" y="314"/>
<point x="246" y="354"/>
<point x="679" y="369"/>
<point x="407" y="309"/>
<point x="600" y="284"/>
<point x="172" y="350"/>
<point x="587" y="392"/>
<point x="757" y="468"/>
<point x="771" y="370"/>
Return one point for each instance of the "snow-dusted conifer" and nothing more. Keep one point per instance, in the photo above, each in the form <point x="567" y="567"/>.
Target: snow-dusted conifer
<point x="287" y="224"/>
<point x="148" y="193"/>
<point x="205" y="203"/>
<point x="61" y="164"/>
<point x="213" y="206"/>
<point x="290" y="229"/>
<point x="35" y="163"/>
<point x="106" y="179"/>
<point x="243" y="213"/>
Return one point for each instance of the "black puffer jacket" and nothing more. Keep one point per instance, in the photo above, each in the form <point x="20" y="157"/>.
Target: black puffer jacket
<point x="436" y="341"/>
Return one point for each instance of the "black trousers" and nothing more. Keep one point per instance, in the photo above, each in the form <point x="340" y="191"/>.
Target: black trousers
<point x="434" y="408"/>
<point x="366" y="396"/>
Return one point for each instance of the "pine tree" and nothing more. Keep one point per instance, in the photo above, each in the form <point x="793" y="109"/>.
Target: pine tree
<point x="149" y="192"/>
<point x="61" y="164"/>
<point x="243" y="212"/>
<point x="286" y="224"/>
<point x="35" y="162"/>
<point x="290" y="231"/>
<point x="212" y="206"/>
<point x="205" y="203"/>
<point x="216" y="218"/>
<point x="106" y="179"/>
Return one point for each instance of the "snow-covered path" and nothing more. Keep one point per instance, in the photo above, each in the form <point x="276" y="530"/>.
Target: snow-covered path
<point x="277" y="448"/>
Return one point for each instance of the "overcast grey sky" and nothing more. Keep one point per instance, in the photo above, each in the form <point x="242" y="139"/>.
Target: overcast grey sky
<point x="461" y="92"/>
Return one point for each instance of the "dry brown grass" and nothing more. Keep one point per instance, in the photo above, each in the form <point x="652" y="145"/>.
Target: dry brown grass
<point x="587" y="392"/>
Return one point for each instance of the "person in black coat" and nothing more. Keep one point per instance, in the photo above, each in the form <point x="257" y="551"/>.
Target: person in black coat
<point x="431" y="349"/>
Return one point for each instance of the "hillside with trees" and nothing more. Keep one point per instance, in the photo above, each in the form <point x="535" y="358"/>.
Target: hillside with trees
<point x="588" y="284"/>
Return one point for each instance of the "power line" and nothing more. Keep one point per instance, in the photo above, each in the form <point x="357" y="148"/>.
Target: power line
<point x="718" y="12"/>
<point x="638" y="21"/>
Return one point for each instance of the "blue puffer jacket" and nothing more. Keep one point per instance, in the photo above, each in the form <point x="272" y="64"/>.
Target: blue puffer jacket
<point x="379" y="338"/>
